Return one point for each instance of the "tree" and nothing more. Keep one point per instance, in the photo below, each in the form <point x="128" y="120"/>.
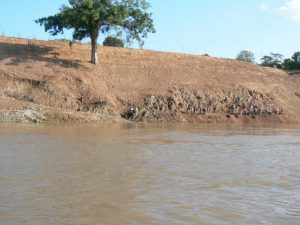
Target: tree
<point x="113" y="42"/>
<point x="267" y="61"/>
<point x="273" y="60"/>
<point x="293" y="63"/>
<point x="296" y="60"/>
<point x="277" y="59"/>
<point x="296" y="57"/>
<point x="246" y="56"/>
<point x="89" y="18"/>
<point x="289" y="64"/>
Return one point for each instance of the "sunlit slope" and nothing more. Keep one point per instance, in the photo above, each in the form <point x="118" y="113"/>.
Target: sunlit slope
<point x="55" y="75"/>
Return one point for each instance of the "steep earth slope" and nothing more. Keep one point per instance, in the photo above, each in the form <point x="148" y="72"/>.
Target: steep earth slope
<point x="44" y="81"/>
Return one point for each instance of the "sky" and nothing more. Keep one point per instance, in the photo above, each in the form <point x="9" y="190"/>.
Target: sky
<point x="220" y="28"/>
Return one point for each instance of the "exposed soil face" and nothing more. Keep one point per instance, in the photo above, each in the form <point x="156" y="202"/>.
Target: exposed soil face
<point x="51" y="82"/>
<point x="181" y="105"/>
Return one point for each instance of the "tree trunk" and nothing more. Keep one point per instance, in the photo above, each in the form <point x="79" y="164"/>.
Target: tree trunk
<point x="94" y="51"/>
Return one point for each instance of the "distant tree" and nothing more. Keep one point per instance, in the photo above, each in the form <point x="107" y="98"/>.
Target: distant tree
<point x="62" y="40"/>
<point x="267" y="61"/>
<point x="246" y="56"/>
<point x="289" y="64"/>
<point x="113" y="42"/>
<point x="277" y="59"/>
<point x="273" y="60"/>
<point x="293" y="63"/>
<point x="89" y="18"/>
<point x="296" y="57"/>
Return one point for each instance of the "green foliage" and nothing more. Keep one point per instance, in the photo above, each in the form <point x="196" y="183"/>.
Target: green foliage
<point x="89" y="18"/>
<point x="293" y="63"/>
<point x="273" y="60"/>
<point x="246" y="56"/>
<point x="296" y="57"/>
<point x="113" y="42"/>
<point x="288" y="64"/>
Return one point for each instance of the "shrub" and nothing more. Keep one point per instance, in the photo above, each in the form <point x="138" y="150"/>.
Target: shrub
<point x="113" y="42"/>
<point x="246" y="56"/>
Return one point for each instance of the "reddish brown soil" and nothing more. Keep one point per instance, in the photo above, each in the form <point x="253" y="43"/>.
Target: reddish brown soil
<point x="60" y="84"/>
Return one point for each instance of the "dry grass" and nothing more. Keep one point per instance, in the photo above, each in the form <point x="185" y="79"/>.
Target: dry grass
<point x="126" y="76"/>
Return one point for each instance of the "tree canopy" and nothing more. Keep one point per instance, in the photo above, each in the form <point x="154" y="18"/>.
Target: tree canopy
<point x="246" y="56"/>
<point x="293" y="63"/>
<point x="113" y="42"/>
<point x="273" y="60"/>
<point x="89" y="18"/>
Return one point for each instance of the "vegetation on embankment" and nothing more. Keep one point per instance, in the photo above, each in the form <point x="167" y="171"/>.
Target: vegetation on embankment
<point x="44" y="81"/>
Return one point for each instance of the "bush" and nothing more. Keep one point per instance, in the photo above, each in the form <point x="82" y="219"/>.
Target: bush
<point x="246" y="56"/>
<point x="113" y="42"/>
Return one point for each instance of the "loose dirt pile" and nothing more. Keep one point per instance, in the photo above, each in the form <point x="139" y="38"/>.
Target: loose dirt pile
<point x="52" y="82"/>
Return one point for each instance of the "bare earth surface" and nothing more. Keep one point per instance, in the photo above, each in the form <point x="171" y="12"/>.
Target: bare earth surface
<point x="52" y="82"/>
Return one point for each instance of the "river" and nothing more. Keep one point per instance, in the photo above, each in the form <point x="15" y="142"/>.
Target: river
<point x="149" y="174"/>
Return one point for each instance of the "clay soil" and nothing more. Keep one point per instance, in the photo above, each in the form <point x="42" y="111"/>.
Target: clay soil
<point x="47" y="81"/>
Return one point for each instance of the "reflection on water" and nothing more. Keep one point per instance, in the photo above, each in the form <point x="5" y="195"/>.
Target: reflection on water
<point x="149" y="174"/>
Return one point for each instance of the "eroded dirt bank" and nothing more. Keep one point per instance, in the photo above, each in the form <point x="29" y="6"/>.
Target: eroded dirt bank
<point x="51" y="82"/>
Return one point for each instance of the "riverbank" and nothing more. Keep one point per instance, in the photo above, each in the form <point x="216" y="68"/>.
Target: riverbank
<point x="49" y="82"/>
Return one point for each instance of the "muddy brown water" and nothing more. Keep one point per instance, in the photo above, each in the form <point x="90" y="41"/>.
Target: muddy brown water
<point x="149" y="174"/>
